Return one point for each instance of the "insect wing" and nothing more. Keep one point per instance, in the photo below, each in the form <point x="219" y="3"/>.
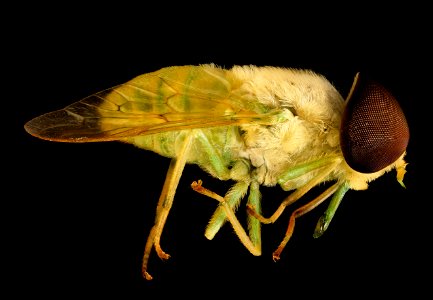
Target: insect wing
<point x="173" y="98"/>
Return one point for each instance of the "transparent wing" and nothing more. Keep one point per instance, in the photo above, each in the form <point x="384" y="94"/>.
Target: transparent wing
<point x="173" y="98"/>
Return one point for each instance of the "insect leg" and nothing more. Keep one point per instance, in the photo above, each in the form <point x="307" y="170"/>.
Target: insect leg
<point x="301" y="211"/>
<point x="240" y="172"/>
<point x="231" y="200"/>
<point x="218" y="167"/>
<point x="303" y="169"/>
<point x="234" y="195"/>
<point x="296" y="195"/>
<point x="326" y="218"/>
<point x="165" y="202"/>
<point x="254" y="225"/>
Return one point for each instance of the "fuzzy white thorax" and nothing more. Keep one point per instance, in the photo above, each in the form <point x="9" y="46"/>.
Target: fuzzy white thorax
<point x="314" y="109"/>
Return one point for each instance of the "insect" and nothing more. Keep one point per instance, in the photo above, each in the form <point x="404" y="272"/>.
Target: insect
<point x="257" y="126"/>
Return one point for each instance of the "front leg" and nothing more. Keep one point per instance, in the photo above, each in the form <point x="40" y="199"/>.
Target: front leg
<point x="324" y="167"/>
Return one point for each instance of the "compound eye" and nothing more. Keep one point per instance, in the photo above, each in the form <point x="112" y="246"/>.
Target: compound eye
<point x="374" y="132"/>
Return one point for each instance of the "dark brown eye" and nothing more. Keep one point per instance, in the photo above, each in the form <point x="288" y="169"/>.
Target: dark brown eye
<point x="374" y="131"/>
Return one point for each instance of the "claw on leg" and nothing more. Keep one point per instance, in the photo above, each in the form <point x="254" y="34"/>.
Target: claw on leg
<point x="147" y="275"/>
<point x="161" y="254"/>
<point x="197" y="186"/>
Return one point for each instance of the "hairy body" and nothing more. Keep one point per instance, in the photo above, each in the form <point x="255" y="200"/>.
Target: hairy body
<point x="254" y="125"/>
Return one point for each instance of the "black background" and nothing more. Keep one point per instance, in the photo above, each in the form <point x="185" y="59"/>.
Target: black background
<point x="77" y="215"/>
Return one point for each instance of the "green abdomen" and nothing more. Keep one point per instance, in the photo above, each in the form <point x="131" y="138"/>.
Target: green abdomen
<point x="224" y="142"/>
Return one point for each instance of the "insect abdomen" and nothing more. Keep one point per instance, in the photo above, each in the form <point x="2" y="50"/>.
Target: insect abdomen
<point x="222" y="143"/>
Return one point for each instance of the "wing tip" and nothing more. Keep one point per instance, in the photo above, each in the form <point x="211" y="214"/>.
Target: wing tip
<point x="52" y="126"/>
